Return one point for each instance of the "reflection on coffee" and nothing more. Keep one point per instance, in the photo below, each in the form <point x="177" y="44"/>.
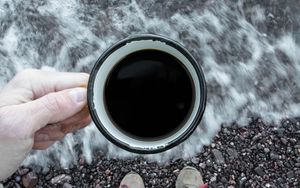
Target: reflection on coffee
<point x="149" y="94"/>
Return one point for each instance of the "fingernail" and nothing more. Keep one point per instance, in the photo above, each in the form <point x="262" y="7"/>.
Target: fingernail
<point x="78" y="95"/>
<point x="42" y="137"/>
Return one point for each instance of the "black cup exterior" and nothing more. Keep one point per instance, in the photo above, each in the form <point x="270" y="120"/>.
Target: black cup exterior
<point x="183" y="51"/>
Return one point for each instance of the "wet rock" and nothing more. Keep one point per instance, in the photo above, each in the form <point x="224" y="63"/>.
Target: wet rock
<point x="18" y="178"/>
<point x="45" y="170"/>
<point x="284" y="141"/>
<point x="233" y="154"/>
<point x="81" y="161"/>
<point x="274" y="156"/>
<point x="195" y="160"/>
<point x="242" y="181"/>
<point x="107" y="172"/>
<point x="266" y="150"/>
<point x="61" y="179"/>
<point x="218" y="156"/>
<point x="259" y="171"/>
<point x="30" y="180"/>
<point x="202" y="165"/>
<point x="67" y="185"/>
<point x="23" y="171"/>
<point x="290" y="174"/>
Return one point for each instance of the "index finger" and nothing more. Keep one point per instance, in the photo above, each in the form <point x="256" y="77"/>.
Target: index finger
<point x="42" y="82"/>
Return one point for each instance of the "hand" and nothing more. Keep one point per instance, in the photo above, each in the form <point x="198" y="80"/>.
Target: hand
<point x="38" y="108"/>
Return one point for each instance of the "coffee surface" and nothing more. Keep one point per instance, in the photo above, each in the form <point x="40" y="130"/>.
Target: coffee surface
<point x="149" y="94"/>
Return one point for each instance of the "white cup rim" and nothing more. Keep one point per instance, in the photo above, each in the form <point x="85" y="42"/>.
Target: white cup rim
<point x="106" y="63"/>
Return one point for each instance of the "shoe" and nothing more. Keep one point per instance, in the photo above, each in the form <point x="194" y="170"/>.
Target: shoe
<point x="189" y="177"/>
<point x="132" y="180"/>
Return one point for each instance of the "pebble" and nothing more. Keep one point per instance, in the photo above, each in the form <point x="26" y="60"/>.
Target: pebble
<point x="218" y="156"/>
<point x="107" y="172"/>
<point x="213" y="179"/>
<point x="61" y="179"/>
<point x="195" y="160"/>
<point x="284" y="141"/>
<point x="274" y="156"/>
<point x="259" y="171"/>
<point x="233" y="154"/>
<point x="266" y="150"/>
<point x="242" y="181"/>
<point x="81" y="161"/>
<point x="67" y="185"/>
<point x="18" y="178"/>
<point x="23" y="171"/>
<point x="290" y="174"/>
<point x="202" y="165"/>
<point x="30" y="180"/>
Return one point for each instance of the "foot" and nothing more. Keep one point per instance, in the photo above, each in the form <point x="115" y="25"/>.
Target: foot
<point x="189" y="177"/>
<point x="132" y="180"/>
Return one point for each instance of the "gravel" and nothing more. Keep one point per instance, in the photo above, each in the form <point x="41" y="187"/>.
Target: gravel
<point x="253" y="156"/>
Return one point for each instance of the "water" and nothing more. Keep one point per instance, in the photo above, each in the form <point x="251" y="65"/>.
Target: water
<point x="249" y="52"/>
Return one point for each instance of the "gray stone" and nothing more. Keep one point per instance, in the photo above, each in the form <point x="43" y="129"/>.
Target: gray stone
<point x="256" y="137"/>
<point x="67" y="185"/>
<point x="233" y="154"/>
<point x="284" y="141"/>
<point x="274" y="156"/>
<point x="218" y="156"/>
<point x="1" y="185"/>
<point x="266" y="150"/>
<point x="30" y="180"/>
<point x="290" y="174"/>
<point x="242" y="181"/>
<point x="259" y="171"/>
<point x="195" y="160"/>
<point x="18" y="178"/>
<point x="202" y="165"/>
<point x="23" y="171"/>
<point x="61" y="179"/>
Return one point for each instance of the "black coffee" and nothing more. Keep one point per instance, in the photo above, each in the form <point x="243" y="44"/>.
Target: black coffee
<point x="149" y="94"/>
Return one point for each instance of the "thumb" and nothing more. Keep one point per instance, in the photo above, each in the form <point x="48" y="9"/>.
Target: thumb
<point x="55" y="107"/>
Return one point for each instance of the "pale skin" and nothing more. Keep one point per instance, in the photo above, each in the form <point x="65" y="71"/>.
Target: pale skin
<point x="38" y="108"/>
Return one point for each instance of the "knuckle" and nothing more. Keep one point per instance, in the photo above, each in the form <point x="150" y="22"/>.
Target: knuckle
<point x="23" y="76"/>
